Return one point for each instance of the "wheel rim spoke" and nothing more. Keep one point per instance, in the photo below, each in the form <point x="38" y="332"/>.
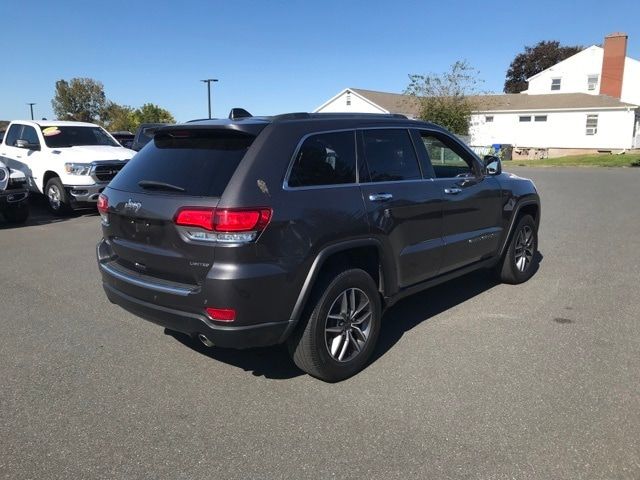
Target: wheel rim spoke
<point x="348" y="324"/>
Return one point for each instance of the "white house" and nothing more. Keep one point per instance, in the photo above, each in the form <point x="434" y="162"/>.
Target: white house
<point x="544" y="120"/>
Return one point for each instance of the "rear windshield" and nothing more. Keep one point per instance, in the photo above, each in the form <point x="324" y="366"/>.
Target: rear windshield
<point x="62" y="137"/>
<point x="192" y="162"/>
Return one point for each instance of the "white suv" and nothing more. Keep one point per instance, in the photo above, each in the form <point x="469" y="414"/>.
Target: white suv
<point x="69" y="162"/>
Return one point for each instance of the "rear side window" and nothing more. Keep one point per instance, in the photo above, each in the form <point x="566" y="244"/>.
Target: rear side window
<point x="325" y="159"/>
<point x="390" y="155"/>
<point x="196" y="162"/>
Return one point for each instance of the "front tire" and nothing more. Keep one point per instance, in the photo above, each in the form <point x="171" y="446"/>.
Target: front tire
<point x="338" y="334"/>
<point x="57" y="197"/>
<point x="518" y="264"/>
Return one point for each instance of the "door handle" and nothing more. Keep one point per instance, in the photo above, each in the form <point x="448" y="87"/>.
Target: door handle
<point x="380" y="197"/>
<point x="452" y="191"/>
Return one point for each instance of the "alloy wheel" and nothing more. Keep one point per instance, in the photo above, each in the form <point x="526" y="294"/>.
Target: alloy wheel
<point x="53" y="195"/>
<point x="348" y="325"/>
<point x="524" y="248"/>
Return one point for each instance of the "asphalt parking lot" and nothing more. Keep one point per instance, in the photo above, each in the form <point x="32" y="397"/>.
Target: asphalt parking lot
<point x="472" y="380"/>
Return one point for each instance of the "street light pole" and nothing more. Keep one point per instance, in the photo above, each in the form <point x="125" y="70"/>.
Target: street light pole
<point x="31" y="107"/>
<point x="208" y="82"/>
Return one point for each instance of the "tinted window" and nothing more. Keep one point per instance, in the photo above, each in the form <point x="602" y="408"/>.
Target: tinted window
<point x="29" y="134"/>
<point x="13" y="134"/>
<point x="325" y="159"/>
<point x="61" y="137"/>
<point x="390" y="155"/>
<point x="445" y="161"/>
<point x="199" y="161"/>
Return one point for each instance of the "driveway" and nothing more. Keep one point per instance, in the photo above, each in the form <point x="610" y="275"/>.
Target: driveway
<point x="472" y="379"/>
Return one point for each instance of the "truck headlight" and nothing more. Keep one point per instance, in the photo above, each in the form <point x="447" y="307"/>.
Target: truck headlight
<point x="77" y="168"/>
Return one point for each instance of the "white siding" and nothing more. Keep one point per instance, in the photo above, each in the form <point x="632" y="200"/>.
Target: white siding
<point x="631" y="82"/>
<point x="357" y="105"/>
<point x="564" y="129"/>
<point x="574" y="72"/>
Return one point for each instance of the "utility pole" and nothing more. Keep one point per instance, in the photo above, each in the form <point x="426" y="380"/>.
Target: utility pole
<point x="208" y="82"/>
<point x="31" y="107"/>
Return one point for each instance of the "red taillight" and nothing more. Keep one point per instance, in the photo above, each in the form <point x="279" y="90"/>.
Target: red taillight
<point x="221" y="314"/>
<point x="225" y="219"/>
<point x="236" y="220"/>
<point x="196" y="217"/>
<point x="103" y="203"/>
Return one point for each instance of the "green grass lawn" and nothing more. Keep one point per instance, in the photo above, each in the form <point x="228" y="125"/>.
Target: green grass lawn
<point x="605" y="160"/>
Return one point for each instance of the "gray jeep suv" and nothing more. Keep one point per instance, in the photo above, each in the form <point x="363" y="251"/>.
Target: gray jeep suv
<point x="302" y="228"/>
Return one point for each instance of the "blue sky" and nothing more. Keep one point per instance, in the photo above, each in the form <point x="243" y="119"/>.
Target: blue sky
<point x="275" y="56"/>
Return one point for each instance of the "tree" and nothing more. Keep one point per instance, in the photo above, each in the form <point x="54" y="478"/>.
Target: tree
<point x="534" y="60"/>
<point x="445" y="98"/>
<point x="116" y="117"/>
<point x="81" y="99"/>
<point x="150" y="113"/>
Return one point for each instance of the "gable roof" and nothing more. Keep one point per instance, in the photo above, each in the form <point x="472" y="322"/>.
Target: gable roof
<point x="408" y="105"/>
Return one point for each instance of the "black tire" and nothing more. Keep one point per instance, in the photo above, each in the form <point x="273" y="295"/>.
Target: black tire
<point x="514" y="267"/>
<point x="57" y="197"/>
<point x="310" y="345"/>
<point x="17" y="215"/>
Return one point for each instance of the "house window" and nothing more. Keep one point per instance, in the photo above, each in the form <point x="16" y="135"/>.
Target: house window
<point x="348" y="99"/>
<point x="525" y="118"/>
<point x="488" y="118"/>
<point x="540" y="118"/>
<point x="592" y="82"/>
<point x="592" y="124"/>
<point x="555" y="83"/>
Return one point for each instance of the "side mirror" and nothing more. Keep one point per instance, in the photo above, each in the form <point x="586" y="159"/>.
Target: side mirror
<point x="29" y="146"/>
<point x="492" y="165"/>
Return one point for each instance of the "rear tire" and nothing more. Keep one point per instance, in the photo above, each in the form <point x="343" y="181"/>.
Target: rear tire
<point x="339" y="329"/>
<point x="57" y="197"/>
<point x="518" y="264"/>
<point x="17" y="215"/>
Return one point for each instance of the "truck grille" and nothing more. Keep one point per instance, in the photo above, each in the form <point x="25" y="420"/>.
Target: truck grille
<point x="105" y="173"/>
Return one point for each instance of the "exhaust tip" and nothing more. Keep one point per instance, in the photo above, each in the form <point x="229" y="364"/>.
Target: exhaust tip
<point x="205" y="341"/>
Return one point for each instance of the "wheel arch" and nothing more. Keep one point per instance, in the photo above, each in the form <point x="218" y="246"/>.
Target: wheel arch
<point x="352" y="253"/>
<point x="524" y="207"/>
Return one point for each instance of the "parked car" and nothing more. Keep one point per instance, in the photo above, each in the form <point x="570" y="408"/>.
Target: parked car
<point x="124" y="138"/>
<point x="144" y="134"/>
<point x="69" y="162"/>
<point x="303" y="228"/>
<point x="14" y="194"/>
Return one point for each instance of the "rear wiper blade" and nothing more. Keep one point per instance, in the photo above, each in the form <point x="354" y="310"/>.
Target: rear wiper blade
<point x="150" y="184"/>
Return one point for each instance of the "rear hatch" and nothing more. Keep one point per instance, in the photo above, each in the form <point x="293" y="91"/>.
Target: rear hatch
<point x="182" y="167"/>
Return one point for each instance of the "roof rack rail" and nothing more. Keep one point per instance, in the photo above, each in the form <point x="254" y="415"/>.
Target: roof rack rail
<point x="292" y="116"/>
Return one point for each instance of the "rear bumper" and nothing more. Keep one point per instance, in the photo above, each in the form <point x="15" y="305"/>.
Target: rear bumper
<point x="192" y="324"/>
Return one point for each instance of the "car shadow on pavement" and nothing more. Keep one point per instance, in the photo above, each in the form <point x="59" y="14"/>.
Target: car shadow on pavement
<point x="39" y="214"/>
<point x="419" y="308"/>
<point x="275" y="363"/>
<point x="269" y="362"/>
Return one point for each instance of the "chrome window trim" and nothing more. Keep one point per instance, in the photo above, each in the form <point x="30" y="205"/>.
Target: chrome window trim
<point x="355" y="130"/>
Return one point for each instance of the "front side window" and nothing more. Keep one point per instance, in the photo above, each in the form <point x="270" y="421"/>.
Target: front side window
<point x="555" y="83"/>
<point x="525" y="118"/>
<point x="592" y="82"/>
<point x="29" y="134"/>
<point x="540" y="118"/>
<point x="488" y="118"/>
<point x="445" y="161"/>
<point x="64" y="136"/>
<point x="390" y="155"/>
<point x="592" y="124"/>
<point x="325" y="159"/>
<point x="13" y="134"/>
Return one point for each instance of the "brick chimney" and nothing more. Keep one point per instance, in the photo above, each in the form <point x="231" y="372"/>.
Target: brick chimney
<point x="615" y="52"/>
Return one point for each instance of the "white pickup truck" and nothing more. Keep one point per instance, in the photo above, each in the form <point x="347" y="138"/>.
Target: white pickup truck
<point x="69" y="162"/>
